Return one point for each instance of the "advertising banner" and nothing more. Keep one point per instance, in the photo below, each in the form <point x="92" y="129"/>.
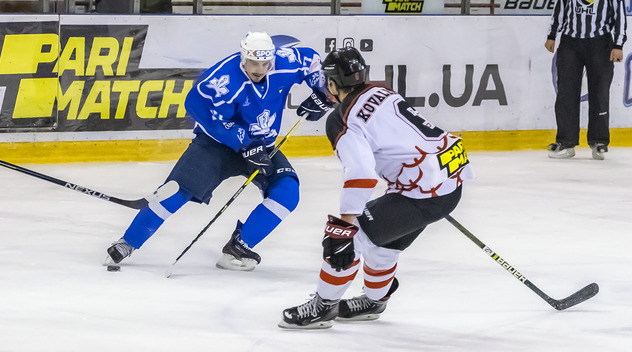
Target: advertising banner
<point x="526" y="7"/>
<point x="130" y="74"/>
<point x="402" y="7"/>
<point x="86" y="77"/>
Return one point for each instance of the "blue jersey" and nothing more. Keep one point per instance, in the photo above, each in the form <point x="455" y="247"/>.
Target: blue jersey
<point x="233" y="110"/>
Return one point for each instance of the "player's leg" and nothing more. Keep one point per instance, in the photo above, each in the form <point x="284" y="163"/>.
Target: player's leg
<point x="322" y="308"/>
<point x="380" y="267"/>
<point x="281" y="196"/>
<point x="388" y="221"/>
<point x="197" y="173"/>
<point x="326" y="305"/>
<point x="166" y="200"/>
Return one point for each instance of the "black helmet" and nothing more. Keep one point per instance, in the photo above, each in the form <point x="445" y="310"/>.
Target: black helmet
<point x="345" y="66"/>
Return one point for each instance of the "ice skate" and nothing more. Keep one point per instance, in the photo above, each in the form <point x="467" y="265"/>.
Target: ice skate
<point x="364" y="308"/>
<point x="237" y="255"/>
<point x="317" y="313"/>
<point x="598" y="151"/>
<point x="560" y="151"/>
<point x="118" y="251"/>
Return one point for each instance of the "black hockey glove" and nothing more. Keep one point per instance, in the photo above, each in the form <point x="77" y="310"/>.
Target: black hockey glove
<point x="257" y="158"/>
<point x="338" y="248"/>
<point x="315" y="106"/>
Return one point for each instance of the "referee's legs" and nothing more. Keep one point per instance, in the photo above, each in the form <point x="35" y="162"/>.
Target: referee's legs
<point x="569" y="84"/>
<point x="599" y="71"/>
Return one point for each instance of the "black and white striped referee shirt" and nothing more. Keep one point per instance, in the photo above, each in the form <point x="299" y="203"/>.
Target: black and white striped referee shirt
<point x="590" y="19"/>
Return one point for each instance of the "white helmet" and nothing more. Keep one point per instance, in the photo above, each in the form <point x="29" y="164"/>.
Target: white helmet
<point x="257" y="46"/>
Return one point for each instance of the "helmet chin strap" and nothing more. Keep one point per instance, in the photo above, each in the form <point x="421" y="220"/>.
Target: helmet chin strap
<point x="337" y="96"/>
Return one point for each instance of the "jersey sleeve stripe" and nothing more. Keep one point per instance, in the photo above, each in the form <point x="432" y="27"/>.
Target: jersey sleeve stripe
<point x="361" y="183"/>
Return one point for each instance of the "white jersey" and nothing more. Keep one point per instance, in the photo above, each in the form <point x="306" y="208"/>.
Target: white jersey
<point x="375" y="133"/>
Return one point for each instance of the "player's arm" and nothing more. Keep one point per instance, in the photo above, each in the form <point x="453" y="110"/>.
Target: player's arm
<point x="619" y="30"/>
<point x="318" y="103"/>
<point x="212" y="122"/>
<point x="557" y="19"/>
<point x="358" y="163"/>
<point x="356" y="156"/>
<point x="215" y="118"/>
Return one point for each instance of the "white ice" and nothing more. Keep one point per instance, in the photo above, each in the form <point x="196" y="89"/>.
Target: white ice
<point x="562" y="223"/>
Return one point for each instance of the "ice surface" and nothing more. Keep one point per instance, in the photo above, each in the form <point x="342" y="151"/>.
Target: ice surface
<point x="562" y="223"/>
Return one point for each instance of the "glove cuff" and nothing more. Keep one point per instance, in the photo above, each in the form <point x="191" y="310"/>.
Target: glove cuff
<point x="338" y="228"/>
<point x="252" y="150"/>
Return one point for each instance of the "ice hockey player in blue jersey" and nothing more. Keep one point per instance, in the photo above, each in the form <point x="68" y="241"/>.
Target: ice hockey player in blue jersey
<point x="237" y="105"/>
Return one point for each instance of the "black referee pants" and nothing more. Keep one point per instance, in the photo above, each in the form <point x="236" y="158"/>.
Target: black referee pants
<point x="572" y="56"/>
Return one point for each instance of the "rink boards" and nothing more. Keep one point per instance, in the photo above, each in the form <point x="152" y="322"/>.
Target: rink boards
<point x="112" y="88"/>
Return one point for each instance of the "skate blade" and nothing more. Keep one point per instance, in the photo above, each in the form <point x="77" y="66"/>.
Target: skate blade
<point x="565" y="154"/>
<point x="229" y="262"/>
<point x="597" y="156"/>
<point x="317" y="325"/>
<point x="108" y="261"/>
<point x="363" y="317"/>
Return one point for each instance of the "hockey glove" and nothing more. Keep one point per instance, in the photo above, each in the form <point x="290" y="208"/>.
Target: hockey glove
<point x="338" y="248"/>
<point x="315" y="106"/>
<point x="256" y="157"/>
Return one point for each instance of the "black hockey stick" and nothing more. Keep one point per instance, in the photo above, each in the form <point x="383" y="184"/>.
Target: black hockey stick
<point x="560" y="304"/>
<point x="230" y="201"/>
<point x="134" y="204"/>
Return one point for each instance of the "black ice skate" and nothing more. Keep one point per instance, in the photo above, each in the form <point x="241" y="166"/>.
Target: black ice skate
<point x="598" y="151"/>
<point x="237" y="255"/>
<point x="118" y="251"/>
<point x="560" y="151"/>
<point x="364" y="308"/>
<point x="317" y="313"/>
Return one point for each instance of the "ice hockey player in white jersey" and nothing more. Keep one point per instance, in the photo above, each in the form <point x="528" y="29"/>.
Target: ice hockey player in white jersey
<point x="374" y="132"/>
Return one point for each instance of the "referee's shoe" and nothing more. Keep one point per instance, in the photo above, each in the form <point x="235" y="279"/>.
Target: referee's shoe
<point x="598" y="151"/>
<point x="561" y="151"/>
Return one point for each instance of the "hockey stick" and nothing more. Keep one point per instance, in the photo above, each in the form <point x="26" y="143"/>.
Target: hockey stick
<point x="134" y="204"/>
<point x="560" y="304"/>
<point x="230" y="201"/>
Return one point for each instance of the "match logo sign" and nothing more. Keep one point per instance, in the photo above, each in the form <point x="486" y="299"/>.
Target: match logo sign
<point x="403" y="6"/>
<point x="454" y="158"/>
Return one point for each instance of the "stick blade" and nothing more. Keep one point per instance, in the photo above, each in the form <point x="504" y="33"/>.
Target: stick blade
<point x="576" y="298"/>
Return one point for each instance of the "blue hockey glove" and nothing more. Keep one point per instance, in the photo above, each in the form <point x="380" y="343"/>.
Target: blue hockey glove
<point x="315" y="106"/>
<point x="338" y="249"/>
<point x="256" y="157"/>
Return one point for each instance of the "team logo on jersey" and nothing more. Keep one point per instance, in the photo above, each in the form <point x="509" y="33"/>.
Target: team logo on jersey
<point x="585" y="6"/>
<point x="453" y="158"/>
<point x="263" y="126"/>
<point x="287" y="53"/>
<point x="219" y="85"/>
<point x="228" y="125"/>
<point x="241" y="134"/>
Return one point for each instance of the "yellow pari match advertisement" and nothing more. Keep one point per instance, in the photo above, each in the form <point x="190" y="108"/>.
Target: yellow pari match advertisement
<point x="86" y="78"/>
